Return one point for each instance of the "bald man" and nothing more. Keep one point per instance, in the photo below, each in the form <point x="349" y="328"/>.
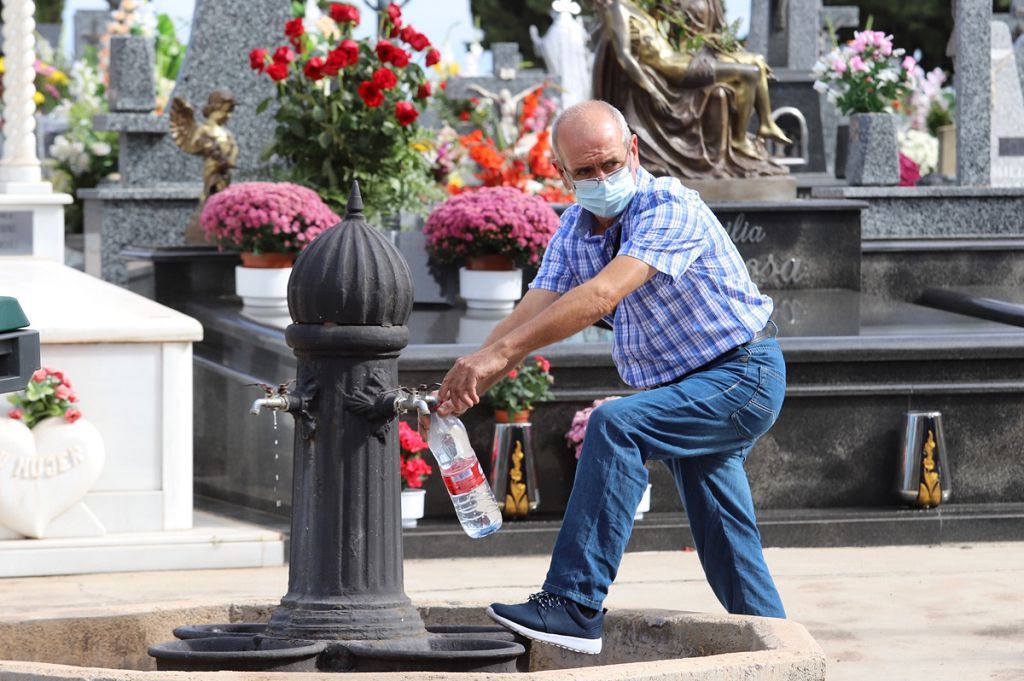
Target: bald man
<point x="692" y="334"/>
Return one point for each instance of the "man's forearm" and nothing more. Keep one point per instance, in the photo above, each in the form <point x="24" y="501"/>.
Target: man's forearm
<point x="571" y="313"/>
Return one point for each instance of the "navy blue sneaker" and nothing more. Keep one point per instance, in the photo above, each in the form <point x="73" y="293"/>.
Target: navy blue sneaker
<point x="552" y="619"/>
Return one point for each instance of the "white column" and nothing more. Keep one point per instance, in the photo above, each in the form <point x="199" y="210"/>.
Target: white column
<point x="19" y="167"/>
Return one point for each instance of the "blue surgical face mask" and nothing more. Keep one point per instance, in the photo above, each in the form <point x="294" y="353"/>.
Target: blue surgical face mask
<point x="609" y="197"/>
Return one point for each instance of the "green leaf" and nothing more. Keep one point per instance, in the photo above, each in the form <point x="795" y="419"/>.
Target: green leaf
<point x="262" y="106"/>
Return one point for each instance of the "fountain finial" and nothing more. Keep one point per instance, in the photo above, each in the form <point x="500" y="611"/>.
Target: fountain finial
<point x="355" y="201"/>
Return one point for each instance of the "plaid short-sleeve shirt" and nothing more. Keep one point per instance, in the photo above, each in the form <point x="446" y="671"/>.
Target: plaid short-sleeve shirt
<point x="700" y="303"/>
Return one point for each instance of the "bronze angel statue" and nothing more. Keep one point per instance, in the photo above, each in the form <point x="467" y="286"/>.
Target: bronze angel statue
<point x="211" y="140"/>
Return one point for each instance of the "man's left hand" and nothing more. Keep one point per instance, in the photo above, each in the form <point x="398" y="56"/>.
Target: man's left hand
<point x="470" y="376"/>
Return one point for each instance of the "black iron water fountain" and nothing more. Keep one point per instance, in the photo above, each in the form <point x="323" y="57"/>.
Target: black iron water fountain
<point x="350" y="296"/>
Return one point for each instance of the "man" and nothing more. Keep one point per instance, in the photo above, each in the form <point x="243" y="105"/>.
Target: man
<point x="691" y="331"/>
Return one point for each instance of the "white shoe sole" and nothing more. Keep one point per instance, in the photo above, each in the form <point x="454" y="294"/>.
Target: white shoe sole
<point x="587" y="646"/>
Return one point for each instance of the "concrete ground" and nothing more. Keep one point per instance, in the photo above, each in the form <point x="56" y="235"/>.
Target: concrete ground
<point x="953" y="612"/>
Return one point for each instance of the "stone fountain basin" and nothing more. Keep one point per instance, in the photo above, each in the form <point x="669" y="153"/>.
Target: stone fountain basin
<point x="639" y="644"/>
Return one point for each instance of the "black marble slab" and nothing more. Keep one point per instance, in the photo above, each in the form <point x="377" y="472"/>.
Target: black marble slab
<point x="856" y="363"/>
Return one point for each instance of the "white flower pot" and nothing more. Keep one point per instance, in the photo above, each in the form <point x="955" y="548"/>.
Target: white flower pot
<point x="45" y="470"/>
<point x="490" y="289"/>
<point x="645" y="504"/>
<point x="412" y="506"/>
<point x="263" y="290"/>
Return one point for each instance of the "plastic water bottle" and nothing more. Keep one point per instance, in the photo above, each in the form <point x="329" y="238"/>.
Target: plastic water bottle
<point x="471" y="495"/>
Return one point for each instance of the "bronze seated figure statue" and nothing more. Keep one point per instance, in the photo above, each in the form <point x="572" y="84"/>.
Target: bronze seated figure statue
<point x="691" y="108"/>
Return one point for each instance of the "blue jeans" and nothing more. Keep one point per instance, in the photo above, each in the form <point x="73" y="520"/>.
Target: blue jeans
<point x="702" y="428"/>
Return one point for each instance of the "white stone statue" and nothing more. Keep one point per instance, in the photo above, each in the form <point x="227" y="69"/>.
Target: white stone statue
<point x="507" y="108"/>
<point x="564" y="48"/>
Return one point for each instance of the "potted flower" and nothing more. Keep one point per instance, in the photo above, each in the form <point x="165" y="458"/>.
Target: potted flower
<point x="493" y="231"/>
<point x="270" y="222"/>
<point x="867" y="80"/>
<point x="415" y="471"/>
<point x="578" y="430"/>
<point x="49" y="455"/>
<point x="347" y="109"/>
<point x="514" y="395"/>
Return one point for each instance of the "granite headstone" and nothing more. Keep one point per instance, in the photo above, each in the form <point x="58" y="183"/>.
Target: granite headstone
<point x="132" y="86"/>
<point x="90" y="25"/>
<point x="973" y="82"/>
<point x="1007" y="112"/>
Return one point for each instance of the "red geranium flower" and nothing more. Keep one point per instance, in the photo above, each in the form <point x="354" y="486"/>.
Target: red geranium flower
<point x="385" y="78"/>
<point x="344" y="13"/>
<point x="409" y="439"/>
<point x="433" y="56"/>
<point x="405" y="112"/>
<point x="258" y="59"/>
<point x="423" y="91"/>
<point x="278" y="70"/>
<point x="512" y="374"/>
<point x="544" y="364"/>
<point x="283" y="55"/>
<point x="370" y="94"/>
<point x="314" y="68"/>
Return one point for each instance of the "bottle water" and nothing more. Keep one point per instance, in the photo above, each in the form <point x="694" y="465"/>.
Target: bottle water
<point x="471" y="495"/>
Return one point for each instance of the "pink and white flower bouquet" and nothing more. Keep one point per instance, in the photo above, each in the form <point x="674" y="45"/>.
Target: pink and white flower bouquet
<point x="266" y="217"/>
<point x="866" y="75"/>
<point x="47" y="395"/>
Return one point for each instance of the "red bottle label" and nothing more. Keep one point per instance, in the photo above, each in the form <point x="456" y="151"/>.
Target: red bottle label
<point x="465" y="480"/>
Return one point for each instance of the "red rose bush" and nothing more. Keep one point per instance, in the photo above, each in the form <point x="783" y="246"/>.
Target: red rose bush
<point x="347" y="109"/>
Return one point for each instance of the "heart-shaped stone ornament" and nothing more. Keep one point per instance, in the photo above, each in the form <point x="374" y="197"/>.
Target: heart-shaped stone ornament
<point x="46" y="470"/>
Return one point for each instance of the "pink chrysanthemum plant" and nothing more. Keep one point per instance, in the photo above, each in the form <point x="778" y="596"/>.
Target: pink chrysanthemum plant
<point x="414" y="468"/>
<point x="574" y="436"/>
<point x="266" y="217"/>
<point x="47" y="395"/>
<point x="490" y="222"/>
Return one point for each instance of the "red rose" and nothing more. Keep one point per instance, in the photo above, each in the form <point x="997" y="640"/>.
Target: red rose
<point x="512" y="374"/>
<point x="544" y="364"/>
<point x="294" y="29"/>
<point x="283" y="55"/>
<point x="371" y="94"/>
<point x="278" y="70"/>
<point x="39" y="375"/>
<point x="407" y="33"/>
<point x="350" y="48"/>
<point x="423" y="91"/>
<point x="394" y="13"/>
<point x="433" y="56"/>
<point x="72" y="415"/>
<point x="62" y="392"/>
<point x="405" y="112"/>
<point x="344" y="14"/>
<point x="419" y="42"/>
<point x="314" y="68"/>
<point x="400" y="58"/>
<point x="385" y="78"/>
<point x="384" y="50"/>
<point x="463" y="115"/>
<point x="15" y="414"/>
<point x="258" y="59"/>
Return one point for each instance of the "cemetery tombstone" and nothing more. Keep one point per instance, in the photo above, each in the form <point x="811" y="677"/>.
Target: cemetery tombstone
<point x="973" y="81"/>
<point x="1007" y="112"/>
<point x="89" y="27"/>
